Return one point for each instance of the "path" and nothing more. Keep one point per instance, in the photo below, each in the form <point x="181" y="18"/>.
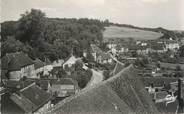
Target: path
<point x="96" y="78"/>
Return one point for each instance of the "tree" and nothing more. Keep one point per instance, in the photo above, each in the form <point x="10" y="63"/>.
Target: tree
<point x="11" y="45"/>
<point x="106" y="74"/>
<point x="31" y="26"/>
<point x="179" y="71"/>
<point x="89" y="57"/>
<point x="181" y="51"/>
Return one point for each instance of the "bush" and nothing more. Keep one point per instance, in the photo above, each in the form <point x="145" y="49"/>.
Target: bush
<point x="106" y="74"/>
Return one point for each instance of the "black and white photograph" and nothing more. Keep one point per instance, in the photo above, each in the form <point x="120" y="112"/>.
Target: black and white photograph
<point x="92" y="56"/>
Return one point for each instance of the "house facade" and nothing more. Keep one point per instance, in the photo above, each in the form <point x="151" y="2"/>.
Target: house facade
<point x="18" y="65"/>
<point x="172" y="45"/>
<point x="72" y="60"/>
<point x="63" y="87"/>
<point x="104" y="58"/>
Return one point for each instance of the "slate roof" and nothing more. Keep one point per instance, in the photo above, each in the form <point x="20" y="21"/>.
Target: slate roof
<point x="15" y="61"/>
<point x="32" y="98"/>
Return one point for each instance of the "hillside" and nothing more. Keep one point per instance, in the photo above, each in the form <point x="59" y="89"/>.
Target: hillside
<point x="128" y="32"/>
<point x="121" y="94"/>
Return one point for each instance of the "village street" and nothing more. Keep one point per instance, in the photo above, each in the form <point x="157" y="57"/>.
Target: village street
<point x="96" y="78"/>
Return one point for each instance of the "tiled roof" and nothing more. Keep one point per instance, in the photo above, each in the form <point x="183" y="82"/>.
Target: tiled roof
<point x="105" y="56"/>
<point x="121" y="94"/>
<point x="32" y="99"/>
<point x="161" y="95"/>
<point x="17" y="84"/>
<point x="38" y="63"/>
<point x="96" y="49"/>
<point x="15" y="61"/>
<point x="157" y="46"/>
<point x="63" y="81"/>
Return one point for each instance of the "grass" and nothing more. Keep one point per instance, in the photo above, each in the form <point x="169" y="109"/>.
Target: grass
<point x="125" y="32"/>
<point x="121" y="94"/>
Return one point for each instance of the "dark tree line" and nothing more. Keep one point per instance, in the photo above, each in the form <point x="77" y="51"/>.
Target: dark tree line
<point x="52" y="38"/>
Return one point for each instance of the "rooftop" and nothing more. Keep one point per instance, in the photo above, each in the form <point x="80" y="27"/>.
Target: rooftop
<point x="121" y="94"/>
<point x="32" y="98"/>
<point x="15" y="61"/>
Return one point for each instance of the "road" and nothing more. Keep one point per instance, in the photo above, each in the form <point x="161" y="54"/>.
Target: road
<point x="96" y="78"/>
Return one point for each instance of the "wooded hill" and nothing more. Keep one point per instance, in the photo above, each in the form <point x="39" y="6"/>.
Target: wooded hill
<point x="52" y="38"/>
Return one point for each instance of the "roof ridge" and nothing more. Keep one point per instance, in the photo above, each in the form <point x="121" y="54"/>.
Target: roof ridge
<point x="83" y="91"/>
<point x="27" y="87"/>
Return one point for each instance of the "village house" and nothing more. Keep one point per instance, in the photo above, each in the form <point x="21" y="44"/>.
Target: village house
<point x="143" y="49"/>
<point x="112" y="47"/>
<point x="158" y="47"/>
<point x="18" y="65"/>
<point x="32" y="99"/>
<point x="104" y="58"/>
<point x="63" y="87"/>
<point x="58" y="63"/>
<point x="160" y="96"/>
<point x="70" y="61"/>
<point x="99" y="55"/>
<point x="95" y="51"/>
<point x="123" y="48"/>
<point x="171" y="45"/>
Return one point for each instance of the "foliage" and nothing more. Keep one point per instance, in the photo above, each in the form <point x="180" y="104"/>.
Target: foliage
<point x="142" y="62"/>
<point x="53" y="38"/>
<point x="181" y="51"/>
<point x="106" y="74"/>
<point x="11" y="45"/>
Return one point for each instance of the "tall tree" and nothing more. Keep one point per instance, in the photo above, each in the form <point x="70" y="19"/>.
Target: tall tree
<point x="31" y="26"/>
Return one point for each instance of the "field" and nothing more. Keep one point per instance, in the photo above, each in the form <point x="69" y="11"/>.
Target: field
<point x="125" y="32"/>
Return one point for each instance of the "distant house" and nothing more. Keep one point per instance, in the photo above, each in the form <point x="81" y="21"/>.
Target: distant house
<point x="72" y="60"/>
<point x="99" y="55"/>
<point x="58" y="63"/>
<point x="160" y="96"/>
<point x="124" y="49"/>
<point x="95" y="51"/>
<point x="158" y="47"/>
<point x="47" y="69"/>
<point x="143" y="49"/>
<point x="171" y="45"/>
<point x="112" y="47"/>
<point x="18" y="65"/>
<point x="32" y="99"/>
<point x="63" y="87"/>
<point x="104" y="58"/>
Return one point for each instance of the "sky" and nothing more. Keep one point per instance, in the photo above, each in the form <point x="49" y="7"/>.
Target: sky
<point x="143" y="13"/>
